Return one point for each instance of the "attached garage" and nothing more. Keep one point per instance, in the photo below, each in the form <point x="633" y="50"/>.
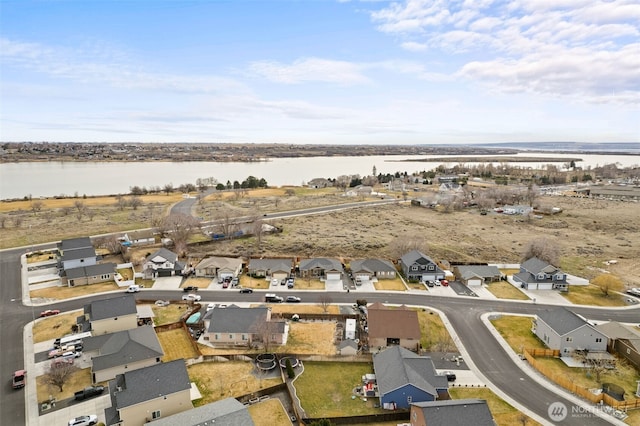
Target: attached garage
<point x="334" y="276"/>
<point x="164" y="272"/>
<point x="279" y="275"/>
<point x="474" y="281"/>
<point x="429" y="277"/>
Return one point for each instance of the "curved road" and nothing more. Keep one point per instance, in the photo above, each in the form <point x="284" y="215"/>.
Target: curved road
<point x="463" y="313"/>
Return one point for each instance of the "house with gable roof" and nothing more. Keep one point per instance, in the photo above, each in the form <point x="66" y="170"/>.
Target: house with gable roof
<point x="389" y="327"/>
<point x="420" y="267"/>
<point x="162" y="263"/>
<point x="219" y="267"/>
<point x="270" y="268"/>
<point x="477" y="274"/>
<point x="114" y="353"/>
<point x="236" y="326"/>
<point x="367" y="269"/>
<point x="109" y="315"/>
<point x="623" y="340"/>
<point x="90" y="274"/>
<point x="563" y="330"/>
<point x="146" y="394"/>
<point x="451" y="412"/>
<point x="404" y="378"/>
<point x="321" y="268"/>
<point x="536" y="274"/>
<point x="76" y="253"/>
<point x="227" y="412"/>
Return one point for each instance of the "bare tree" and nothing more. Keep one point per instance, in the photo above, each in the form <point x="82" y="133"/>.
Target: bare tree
<point x="135" y="202"/>
<point x="544" y="249"/>
<point x="533" y="192"/>
<point x="79" y="205"/>
<point x="343" y="181"/>
<point x="168" y="188"/>
<point x="109" y="242"/>
<point x="36" y="206"/>
<point x="405" y="243"/>
<point x="179" y="227"/>
<point x="3" y="221"/>
<point x="59" y="374"/>
<point x="325" y="301"/>
<point x="289" y="192"/>
<point x="121" y="202"/>
<point x="607" y="283"/>
<point x="262" y="330"/>
<point x="257" y="229"/>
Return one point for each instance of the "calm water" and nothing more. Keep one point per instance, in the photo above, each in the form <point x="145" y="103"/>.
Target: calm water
<point x="68" y="178"/>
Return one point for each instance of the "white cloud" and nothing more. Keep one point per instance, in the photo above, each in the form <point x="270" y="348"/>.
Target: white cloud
<point x="414" y="46"/>
<point x="310" y="69"/>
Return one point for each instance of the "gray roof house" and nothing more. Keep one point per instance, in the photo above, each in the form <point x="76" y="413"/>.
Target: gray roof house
<point x="77" y="258"/>
<point x="115" y="353"/>
<point x="90" y="274"/>
<point x="276" y="268"/>
<point x="372" y="268"/>
<point x="219" y="266"/>
<point x="236" y="326"/>
<point x="74" y="244"/>
<point x="420" y="267"/>
<point x="563" y="330"/>
<point x="109" y="315"/>
<point x="227" y="412"/>
<point x="150" y="393"/>
<point x="404" y="377"/>
<point x="162" y="263"/>
<point x="536" y="274"/>
<point x="623" y="339"/>
<point x="330" y="269"/>
<point x="477" y="274"/>
<point x="452" y="412"/>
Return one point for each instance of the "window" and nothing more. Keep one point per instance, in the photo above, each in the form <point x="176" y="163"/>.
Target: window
<point x="216" y="336"/>
<point x="414" y="268"/>
<point x="569" y="339"/>
<point x="244" y="337"/>
<point x="409" y="399"/>
<point x="155" y="415"/>
<point x="598" y="339"/>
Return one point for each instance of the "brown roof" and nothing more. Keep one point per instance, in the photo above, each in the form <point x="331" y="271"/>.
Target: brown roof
<point x="401" y="323"/>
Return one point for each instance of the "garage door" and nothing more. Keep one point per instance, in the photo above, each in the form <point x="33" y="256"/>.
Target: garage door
<point x="164" y="273"/>
<point x="280" y="276"/>
<point x="428" y="277"/>
<point x="333" y="277"/>
<point x="545" y="286"/>
<point x="474" y="281"/>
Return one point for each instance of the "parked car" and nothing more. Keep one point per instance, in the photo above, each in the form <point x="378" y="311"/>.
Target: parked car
<point x="430" y="283"/>
<point x="189" y="288"/>
<point x="634" y="291"/>
<point x="71" y="354"/>
<point x="134" y="288"/>
<point x="225" y="284"/>
<point x="444" y="282"/>
<point x="88" y="392"/>
<point x="293" y="299"/>
<point x="246" y="290"/>
<point x="451" y="376"/>
<point x="235" y="281"/>
<point x="162" y="303"/>
<point x="89" y="420"/>
<point x="192" y="297"/>
<point x="61" y="362"/>
<point x="437" y="283"/>
<point x="272" y="298"/>
<point x="49" y="312"/>
<point x="274" y="281"/>
<point x="210" y="306"/>
<point x="19" y="379"/>
<point x="290" y="282"/>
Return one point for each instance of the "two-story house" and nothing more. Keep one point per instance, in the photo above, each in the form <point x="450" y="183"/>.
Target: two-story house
<point x="536" y="274"/>
<point x="417" y="266"/>
<point x="76" y="253"/>
<point x="109" y="315"/>
<point x="162" y="263"/>
<point x="563" y="330"/>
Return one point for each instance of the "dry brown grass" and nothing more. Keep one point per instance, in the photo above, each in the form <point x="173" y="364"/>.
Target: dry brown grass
<point x="303" y="309"/>
<point x="78" y="380"/>
<point x="592" y="295"/>
<point x="504" y="290"/>
<point x="516" y="331"/>
<point x="176" y="344"/>
<point x="53" y="327"/>
<point x="169" y="314"/>
<point x="307" y="284"/>
<point x="219" y="380"/>
<point x="61" y="292"/>
<point x="197" y="282"/>
<point x="390" y="285"/>
<point x="435" y="336"/>
<point x="269" y="413"/>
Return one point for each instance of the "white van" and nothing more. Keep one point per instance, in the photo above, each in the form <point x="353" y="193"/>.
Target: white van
<point x="133" y="288"/>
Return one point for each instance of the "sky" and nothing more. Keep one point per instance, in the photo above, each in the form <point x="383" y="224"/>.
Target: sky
<point x="320" y="71"/>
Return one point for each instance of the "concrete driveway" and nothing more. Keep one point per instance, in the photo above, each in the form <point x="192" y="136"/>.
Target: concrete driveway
<point x="167" y="283"/>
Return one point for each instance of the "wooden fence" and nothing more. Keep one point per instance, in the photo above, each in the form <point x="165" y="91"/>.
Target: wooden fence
<point x="566" y="383"/>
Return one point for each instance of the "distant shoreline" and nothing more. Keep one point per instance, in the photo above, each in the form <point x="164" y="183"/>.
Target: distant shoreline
<point x="493" y="159"/>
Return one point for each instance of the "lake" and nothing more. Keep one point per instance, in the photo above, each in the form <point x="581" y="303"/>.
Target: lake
<point x="47" y="179"/>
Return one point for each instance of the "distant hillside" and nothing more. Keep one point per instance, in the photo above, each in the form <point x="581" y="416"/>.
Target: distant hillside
<point x="631" y="148"/>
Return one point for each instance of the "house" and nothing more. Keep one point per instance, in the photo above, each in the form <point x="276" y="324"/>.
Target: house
<point x="565" y="331"/>
<point x="114" y="353"/>
<point x="348" y="347"/>
<point x="417" y="266"/>
<point x="74" y="244"/>
<point x="536" y="274"/>
<point x="235" y="326"/>
<point x="228" y="412"/>
<point x="220" y="267"/>
<point x="472" y="275"/>
<point x="321" y="268"/>
<point x="452" y="412"/>
<point x="273" y="268"/>
<point x="318" y="183"/>
<point x="139" y="238"/>
<point x="162" y="263"/>
<point x="359" y="191"/>
<point x="404" y="378"/>
<point x="109" y="315"/>
<point x="389" y="327"/>
<point x="366" y="269"/>
<point x="449" y="188"/>
<point x="76" y="253"/>
<point x="93" y="274"/>
<point x="150" y="393"/>
<point x="623" y="340"/>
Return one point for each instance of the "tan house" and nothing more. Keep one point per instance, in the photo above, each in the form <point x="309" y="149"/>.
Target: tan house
<point x="92" y="274"/>
<point x="116" y="353"/>
<point x="219" y="267"/>
<point x="150" y="393"/>
<point x="235" y="326"/>
<point x="392" y="327"/>
<point x="109" y="315"/>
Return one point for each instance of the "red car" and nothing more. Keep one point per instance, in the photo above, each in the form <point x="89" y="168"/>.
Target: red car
<point x="49" y="312"/>
<point x="444" y="282"/>
<point x="19" y="379"/>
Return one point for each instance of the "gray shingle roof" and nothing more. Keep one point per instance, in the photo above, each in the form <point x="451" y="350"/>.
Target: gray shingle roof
<point x="456" y="412"/>
<point x="234" y="319"/>
<point x="535" y="265"/>
<point x="149" y="383"/>
<point x="124" y="347"/>
<point x="81" y="253"/>
<point x="75" y="243"/>
<point x="414" y="256"/>
<point x="165" y="254"/>
<point x="113" y="307"/>
<point x="396" y="367"/>
<point x="91" y="271"/>
<point x="270" y="264"/>
<point x="322" y="263"/>
<point x="227" y="412"/>
<point x="220" y="262"/>
<point x="561" y="320"/>
<point x="484" y="271"/>
<point x="372" y="265"/>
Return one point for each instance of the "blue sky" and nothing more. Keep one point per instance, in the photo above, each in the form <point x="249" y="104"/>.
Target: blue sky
<point x="345" y="72"/>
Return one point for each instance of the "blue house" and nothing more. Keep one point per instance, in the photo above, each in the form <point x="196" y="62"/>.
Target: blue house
<point x="404" y="377"/>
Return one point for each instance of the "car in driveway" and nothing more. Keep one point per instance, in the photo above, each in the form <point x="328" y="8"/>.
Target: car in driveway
<point x="19" y="379"/>
<point x="293" y="299"/>
<point x="192" y="297"/>
<point x="634" y="291"/>
<point x="246" y="290"/>
<point x="451" y="376"/>
<point x="225" y="284"/>
<point x="444" y="283"/>
<point x="189" y="288"/>
<point x="290" y="282"/>
<point x="275" y="281"/>
<point x="89" y="420"/>
<point x="49" y="312"/>
<point x="430" y="283"/>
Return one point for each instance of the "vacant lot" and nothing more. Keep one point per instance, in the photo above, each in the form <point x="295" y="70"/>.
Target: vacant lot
<point x="592" y="295"/>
